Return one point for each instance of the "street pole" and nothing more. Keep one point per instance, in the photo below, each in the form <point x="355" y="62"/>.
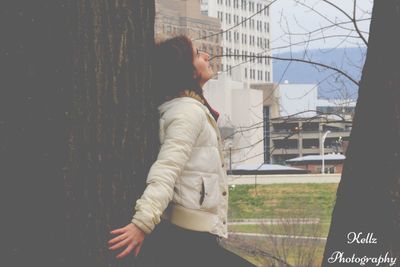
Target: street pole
<point x="230" y="160"/>
<point x="323" y="151"/>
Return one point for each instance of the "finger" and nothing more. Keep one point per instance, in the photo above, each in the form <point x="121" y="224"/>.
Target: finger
<point x="137" y="249"/>
<point x="118" y="239"/>
<point x="121" y="244"/>
<point x="118" y="231"/>
<point x="126" y="251"/>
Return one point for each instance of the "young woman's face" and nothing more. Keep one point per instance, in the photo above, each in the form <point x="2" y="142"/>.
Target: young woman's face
<point x="203" y="71"/>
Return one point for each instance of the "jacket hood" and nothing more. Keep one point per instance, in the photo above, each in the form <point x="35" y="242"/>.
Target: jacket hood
<point x="206" y="107"/>
<point x="168" y="104"/>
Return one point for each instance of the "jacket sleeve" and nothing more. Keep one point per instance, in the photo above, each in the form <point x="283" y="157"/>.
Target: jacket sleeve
<point x="181" y="133"/>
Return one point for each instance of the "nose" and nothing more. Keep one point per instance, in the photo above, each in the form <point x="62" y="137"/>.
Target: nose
<point x="204" y="54"/>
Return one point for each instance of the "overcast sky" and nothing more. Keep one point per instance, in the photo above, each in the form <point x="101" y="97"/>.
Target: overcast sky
<point x="287" y="14"/>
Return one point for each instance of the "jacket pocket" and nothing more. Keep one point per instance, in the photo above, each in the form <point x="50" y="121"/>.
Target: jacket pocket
<point x="209" y="192"/>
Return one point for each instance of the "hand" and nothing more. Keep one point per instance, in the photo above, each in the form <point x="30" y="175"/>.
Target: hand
<point x="130" y="237"/>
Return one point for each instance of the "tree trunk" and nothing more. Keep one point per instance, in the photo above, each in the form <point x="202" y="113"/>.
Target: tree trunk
<point x="78" y="126"/>
<point x="368" y="197"/>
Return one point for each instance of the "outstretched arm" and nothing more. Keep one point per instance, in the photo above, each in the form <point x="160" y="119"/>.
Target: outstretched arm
<point x="130" y="237"/>
<point x="181" y="133"/>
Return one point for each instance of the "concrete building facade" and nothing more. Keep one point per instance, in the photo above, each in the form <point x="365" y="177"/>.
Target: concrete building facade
<point x="176" y="17"/>
<point x="240" y="120"/>
<point x="251" y="37"/>
<point x="295" y="121"/>
<point x="298" y="137"/>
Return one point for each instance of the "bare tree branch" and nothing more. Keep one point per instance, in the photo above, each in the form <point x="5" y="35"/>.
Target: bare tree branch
<point x="297" y="60"/>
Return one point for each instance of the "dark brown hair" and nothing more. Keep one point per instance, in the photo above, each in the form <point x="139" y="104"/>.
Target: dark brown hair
<point x="173" y="68"/>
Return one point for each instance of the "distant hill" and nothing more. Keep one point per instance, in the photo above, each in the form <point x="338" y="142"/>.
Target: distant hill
<point x="331" y="85"/>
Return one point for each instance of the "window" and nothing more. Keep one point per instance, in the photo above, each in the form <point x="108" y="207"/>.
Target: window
<point x="245" y="72"/>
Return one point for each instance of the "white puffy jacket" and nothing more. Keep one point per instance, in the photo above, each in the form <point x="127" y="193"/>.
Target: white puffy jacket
<point x="187" y="184"/>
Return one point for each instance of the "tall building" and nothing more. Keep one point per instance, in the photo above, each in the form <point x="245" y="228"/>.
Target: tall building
<point x="251" y="37"/>
<point x="175" y="17"/>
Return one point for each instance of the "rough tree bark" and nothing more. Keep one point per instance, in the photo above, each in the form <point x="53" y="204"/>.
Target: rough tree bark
<point x="78" y="126"/>
<point x="368" y="198"/>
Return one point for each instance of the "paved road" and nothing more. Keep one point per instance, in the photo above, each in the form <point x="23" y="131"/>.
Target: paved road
<point x="283" y="179"/>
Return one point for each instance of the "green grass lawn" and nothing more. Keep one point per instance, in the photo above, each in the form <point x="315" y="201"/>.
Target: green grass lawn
<point x="282" y="201"/>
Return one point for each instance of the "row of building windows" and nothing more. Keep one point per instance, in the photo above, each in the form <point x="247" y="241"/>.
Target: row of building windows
<point x="212" y="49"/>
<point x="209" y="36"/>
<point x="252" y="57"/>
<point x="245" y="5"/>
<point x="242" y="38"/>
<point x="250" y="73"/>
<point x="244" y="22"/>
<point x="260" y="75"/>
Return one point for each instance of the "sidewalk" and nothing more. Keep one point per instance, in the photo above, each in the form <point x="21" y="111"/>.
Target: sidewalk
<point x="279" y="236"/>
<point x="284" y="179"/>
<point x="268" y="221"/>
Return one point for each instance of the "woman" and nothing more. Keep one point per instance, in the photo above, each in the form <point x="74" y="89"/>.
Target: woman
<point x="187" y="191"/>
